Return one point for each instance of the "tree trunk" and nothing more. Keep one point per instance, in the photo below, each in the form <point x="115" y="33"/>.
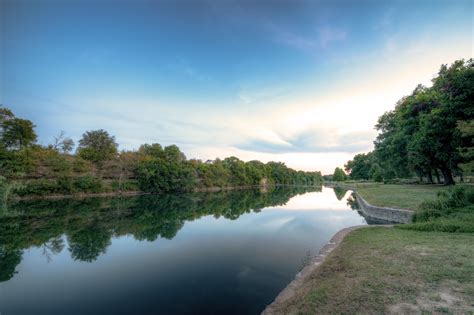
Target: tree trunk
<point x="430" y="177"/>
<point x="438" y="180"/>
<point x="447" y="175"/>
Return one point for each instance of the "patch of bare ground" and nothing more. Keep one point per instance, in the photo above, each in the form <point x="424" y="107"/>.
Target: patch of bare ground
<point x="445" y="299"/>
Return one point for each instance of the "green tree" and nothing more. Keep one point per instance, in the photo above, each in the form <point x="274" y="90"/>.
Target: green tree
<point x="155" y="150"/>
<point x="376" y="173"/>
<point x="339" y="175"/>
<point x="9" y="260"/>
<point x="359" y="167"/>
<point x="15" y="133"/>
<point x="466" y="150"/>
<point x="97" y="146"/>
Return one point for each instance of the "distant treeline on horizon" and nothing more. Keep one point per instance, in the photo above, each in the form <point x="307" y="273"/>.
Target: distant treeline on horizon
<point x="96" y="166"/>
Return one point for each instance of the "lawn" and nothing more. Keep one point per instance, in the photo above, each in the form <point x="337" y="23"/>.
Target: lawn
<point x="387" y="270"/>
<point x="396" y="196"/>
<point x="411" y="268"/>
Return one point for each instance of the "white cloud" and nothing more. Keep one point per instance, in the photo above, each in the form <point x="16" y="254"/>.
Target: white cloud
<point x="315" y="130"/>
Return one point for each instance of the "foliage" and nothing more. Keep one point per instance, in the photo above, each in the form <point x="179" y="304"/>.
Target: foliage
<point x="88" y="183"/>
<point x="90" y="223"/>
<point x="466" y="150"/>
<point x="15" y="133"/>
<point x="97" y="146"/>
<point x="451" y="211"/>
<point x="340" y="192"/>
<point x="62" y="143"/>
<point x="376" y="173"/>
<point x="429" y="131"/>
<point x="160" y="175"/>
<point x="97" y="166"/>
<point x="9" y="259"/>
<point x="62" y="185"/>
<point x="339" y="175"/>
<point x="359" y="167"/>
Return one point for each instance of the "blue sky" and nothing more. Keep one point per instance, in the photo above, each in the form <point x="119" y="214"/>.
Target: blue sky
<point x="301" y="82"/>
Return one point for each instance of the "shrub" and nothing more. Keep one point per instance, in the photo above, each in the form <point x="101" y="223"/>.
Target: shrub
<point x="445" y="202"/>
<point x="39" y="187"/>
<point x="451" y="211"/>
<point x="80" y="165"/>
<point x="127" y="185"/>
<point x="5" y="189"/>
<point x="65" y="185"/>
<point x="89" y="184"/>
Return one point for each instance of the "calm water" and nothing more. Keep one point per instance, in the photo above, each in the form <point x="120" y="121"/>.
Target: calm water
<point x="206" y="253"/>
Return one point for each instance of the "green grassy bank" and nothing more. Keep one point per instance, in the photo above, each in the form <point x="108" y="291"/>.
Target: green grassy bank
<point x="398" y="196"/>
<point x="423" y="267"/>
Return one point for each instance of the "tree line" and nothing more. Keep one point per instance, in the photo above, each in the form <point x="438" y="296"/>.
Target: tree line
<point x="28" y="168"/>
<point x="429" y="133"/>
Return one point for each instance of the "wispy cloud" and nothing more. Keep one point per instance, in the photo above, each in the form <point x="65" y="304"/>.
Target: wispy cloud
<point x="321" y="38"/>
<point x="328" y="35"/>
<point x="184" y="68"/>
<point x="313" y="141"/>
<point x="385" y="20"/>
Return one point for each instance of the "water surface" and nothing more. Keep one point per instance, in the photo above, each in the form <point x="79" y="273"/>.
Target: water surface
<point x="202" y="253"/>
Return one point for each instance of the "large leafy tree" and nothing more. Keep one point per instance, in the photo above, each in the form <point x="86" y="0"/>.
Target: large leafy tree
<point x="428" y="130"/>
<point x="339" y="175"/>
<point x="359" y="167"/>
<point x="15" y="133"/>
<point x="97" y="146"/>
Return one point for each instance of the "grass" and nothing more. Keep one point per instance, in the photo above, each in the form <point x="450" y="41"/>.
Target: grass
<point x="451" y="211"/>
<point x="397" y="196"/>
<point x="386" y="270"/>
<point x="412" y="268"/>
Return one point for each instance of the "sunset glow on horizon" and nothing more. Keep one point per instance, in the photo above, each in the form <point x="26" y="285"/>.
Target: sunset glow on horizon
<point x="301" y="82"/>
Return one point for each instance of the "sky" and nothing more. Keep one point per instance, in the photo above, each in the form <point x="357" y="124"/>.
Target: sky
<point x="301" y="82"/>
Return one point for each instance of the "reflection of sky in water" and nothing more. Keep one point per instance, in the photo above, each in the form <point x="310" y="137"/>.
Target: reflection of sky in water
<point x="210" y="266"/>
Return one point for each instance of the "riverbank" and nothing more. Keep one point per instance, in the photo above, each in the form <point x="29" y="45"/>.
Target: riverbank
<point x="117" y="193"/>
<point x="380" y="270"/>
<point x="393" y="195"/>
<point x="376" y="270"/>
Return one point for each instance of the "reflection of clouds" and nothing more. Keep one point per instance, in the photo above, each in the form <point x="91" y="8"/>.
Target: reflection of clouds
<point x="325" y="200"/>
<point x="278" y="222"/>
<point x="245" y="271"/>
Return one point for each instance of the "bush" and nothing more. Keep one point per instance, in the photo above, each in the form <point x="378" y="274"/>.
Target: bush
<point x="65" y="185"/>
<point x="80" y="165"/>
<point x="127" y="185"/>
<point x="445" y="203"/>
<point x="452" y="211"/>
<point x="89" y="184"/>
<point x="5" y="189"/>
<point x="39" y="187"/>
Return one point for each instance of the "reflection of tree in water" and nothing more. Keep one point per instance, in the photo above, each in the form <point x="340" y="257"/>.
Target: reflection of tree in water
<point x="87" y="244"/>
<point x="89" y="224"/>
<point x="352" y="202"/>
<point x="9" y="259"/>
<point x="53" y="247"/>
<point x="340" y="192"/>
